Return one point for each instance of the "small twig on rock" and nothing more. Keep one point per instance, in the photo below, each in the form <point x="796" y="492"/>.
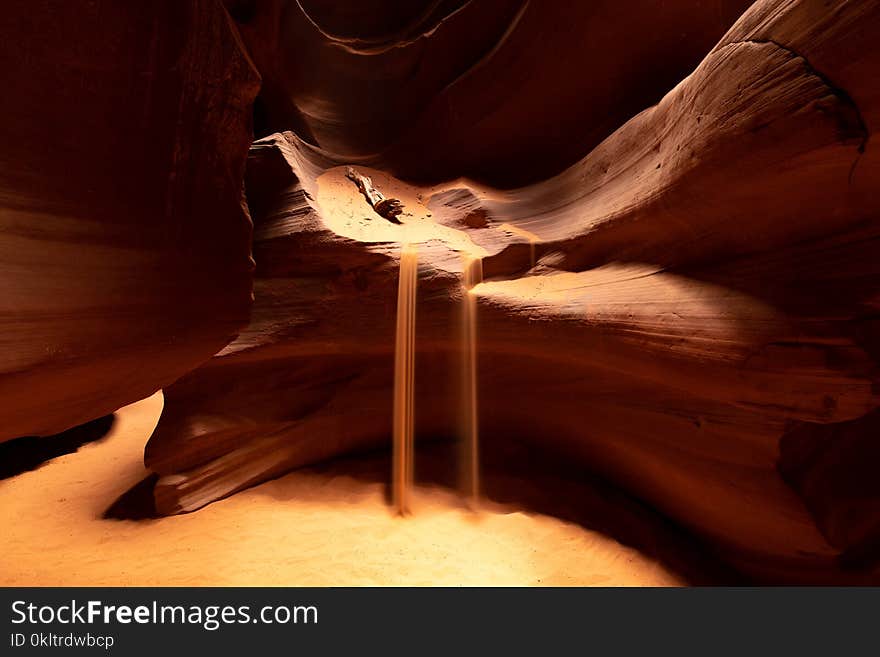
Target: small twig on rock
<point x="388" y="208"/>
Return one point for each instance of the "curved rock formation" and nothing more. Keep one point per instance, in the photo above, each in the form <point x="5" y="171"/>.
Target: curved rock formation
<point x="125" y="243"/>
<point x="439" y="89"/>
<point x="677" y="236"/>
<point x="664" y="311"/>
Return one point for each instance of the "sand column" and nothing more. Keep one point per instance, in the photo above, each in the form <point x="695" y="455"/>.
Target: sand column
<point x="404" y="381"/>
<point x="471" y="276"/>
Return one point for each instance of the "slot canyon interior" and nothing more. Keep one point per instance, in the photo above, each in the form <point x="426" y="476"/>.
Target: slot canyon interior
<point x="440" y="292"/>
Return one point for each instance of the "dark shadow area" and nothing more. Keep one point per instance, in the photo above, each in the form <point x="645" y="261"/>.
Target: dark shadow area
<point x="261" y="126"/>
<point x="862" y="557"/>
<point x="833" y="469"/>
<point x="242" y="11"/>
<point x="30" y="452"/>
<point x="522" y="479"/>
<point x="137" y="503"/>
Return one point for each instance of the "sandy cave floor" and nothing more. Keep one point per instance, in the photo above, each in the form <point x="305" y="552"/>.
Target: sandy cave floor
<point x="317" y="527"/>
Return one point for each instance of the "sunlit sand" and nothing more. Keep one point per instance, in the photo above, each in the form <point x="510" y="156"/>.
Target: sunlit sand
<point x="327" y="526"/>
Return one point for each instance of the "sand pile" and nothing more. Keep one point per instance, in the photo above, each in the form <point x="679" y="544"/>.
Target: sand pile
<point x="327" y="526"/>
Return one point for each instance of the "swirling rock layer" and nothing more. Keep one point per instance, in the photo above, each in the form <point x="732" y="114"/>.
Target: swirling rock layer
<point x="697" y="288"/>
<point x="507" y="91"/>
<point x="677" y="229"/>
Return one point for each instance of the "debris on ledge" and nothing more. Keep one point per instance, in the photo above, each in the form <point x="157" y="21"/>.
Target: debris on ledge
<point x="388" y="208"/>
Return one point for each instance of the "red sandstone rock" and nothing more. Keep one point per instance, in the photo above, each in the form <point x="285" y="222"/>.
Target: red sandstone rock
<point x="834" y="469"/>
<point x="125" y="243"/>
<point x="699" y="285"/>
<point x="504" y="90"/>
<point x="688" y="310"/>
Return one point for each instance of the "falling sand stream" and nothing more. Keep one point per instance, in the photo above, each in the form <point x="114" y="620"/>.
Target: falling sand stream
<point x="348" y="212"/>
<point x="404" y="381"/>
<point x="471" y="276"/>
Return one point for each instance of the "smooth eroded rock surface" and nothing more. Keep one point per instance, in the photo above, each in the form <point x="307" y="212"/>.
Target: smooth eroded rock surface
<point x="698" y="286"/>
<point x="124" y="240"/>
